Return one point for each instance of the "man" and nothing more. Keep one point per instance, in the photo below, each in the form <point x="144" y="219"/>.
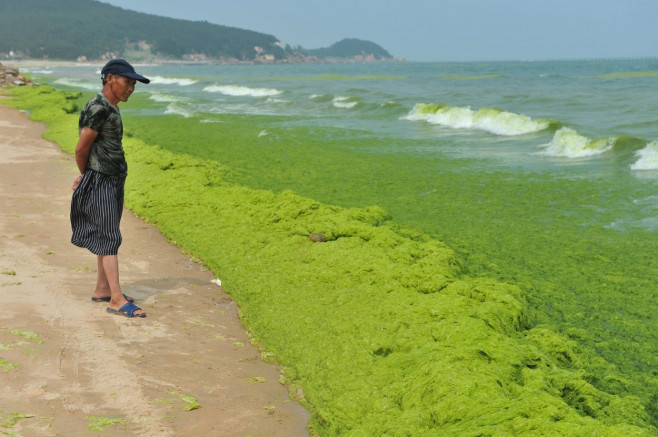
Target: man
<point x="97" y="201"/>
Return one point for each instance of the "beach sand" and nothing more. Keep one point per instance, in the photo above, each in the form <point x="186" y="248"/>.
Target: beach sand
<point x="88" y="363"/>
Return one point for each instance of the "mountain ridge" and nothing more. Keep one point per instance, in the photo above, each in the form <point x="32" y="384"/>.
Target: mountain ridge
<point x="85" y="30"/>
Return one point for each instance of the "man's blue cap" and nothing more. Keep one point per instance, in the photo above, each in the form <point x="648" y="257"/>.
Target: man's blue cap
<point x="121" y="67"/>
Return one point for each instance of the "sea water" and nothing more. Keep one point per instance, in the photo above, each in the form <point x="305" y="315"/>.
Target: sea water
<point x="510" y="112"/>
<point x="540" y="174"/>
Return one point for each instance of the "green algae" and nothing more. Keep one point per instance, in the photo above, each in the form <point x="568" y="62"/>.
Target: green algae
<point x="468" y="77"/>
<point x="163" y="401"/>
<point x="7" y="366"/>
<point x="100" y="423"/>
<point x="256" y="379"/>
<point x="387" y="330"/>
<point x="25" y="334"/>
<point x="190" y="402"/>
<point x="28" y="335"/>
<point x="628" y="74"/>
<point x="548" y="234"/>
<point x="12" y="419"/>
<point x="309" y="295"/>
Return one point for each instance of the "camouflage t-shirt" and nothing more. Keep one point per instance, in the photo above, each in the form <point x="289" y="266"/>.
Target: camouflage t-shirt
<point x="106" y="155"/>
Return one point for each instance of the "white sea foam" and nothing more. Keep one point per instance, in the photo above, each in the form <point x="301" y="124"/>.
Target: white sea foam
<point x="570" y="144"/>
<point x="166" y="98"/>
<point x="343" y="102"/>
<point x="172" y="81"/>
<point x="273" y="100"/>
<point x="29" y="70"/>
<point x="79" y="84"/>
<point x="241" y="91"/>
<point x="487" y="119"/>
<point x="647" y="157"/>
<point x="176" y="109"/>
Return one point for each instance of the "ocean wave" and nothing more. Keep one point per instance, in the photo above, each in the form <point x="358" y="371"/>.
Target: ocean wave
<point x="273" y="100"/>
<point x="343" y="102"/>
<point x="177" y="110"/>
<point x="488" y="119"/>
<point x="37" y="71"/>
<point x="321" y="97"/>
<point x="568" y="143"/>
<point x="323" y="77"/>
<point x="79" y="84"/>
<point x="647" y="157"/>
<point x="165" y="98"/>
<point x="182" y="81"/>
<point x="467" y="76"/>
<point x="240" y="91"/>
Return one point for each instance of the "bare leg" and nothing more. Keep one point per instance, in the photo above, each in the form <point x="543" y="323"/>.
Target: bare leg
<point x="110" y="265"/>
<point x="102" y="284"/>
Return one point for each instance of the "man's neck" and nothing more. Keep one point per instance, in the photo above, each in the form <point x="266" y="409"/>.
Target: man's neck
<point x="109" y="95"/>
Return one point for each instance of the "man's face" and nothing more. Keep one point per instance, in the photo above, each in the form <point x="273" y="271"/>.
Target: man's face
<point x="121" y="86"/>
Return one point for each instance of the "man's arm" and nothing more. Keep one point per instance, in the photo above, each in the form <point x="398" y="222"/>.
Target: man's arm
<point x="87" y="138"/>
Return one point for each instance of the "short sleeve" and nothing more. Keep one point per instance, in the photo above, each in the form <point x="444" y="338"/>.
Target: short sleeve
<point x="95" y="116"/>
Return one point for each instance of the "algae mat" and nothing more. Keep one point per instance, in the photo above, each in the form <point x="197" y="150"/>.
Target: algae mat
<point x="382" y="329"/>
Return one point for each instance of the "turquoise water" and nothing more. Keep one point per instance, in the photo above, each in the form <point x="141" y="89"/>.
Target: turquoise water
<point x="541" y="174"/>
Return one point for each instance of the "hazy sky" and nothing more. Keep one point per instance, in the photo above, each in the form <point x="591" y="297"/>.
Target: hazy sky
<point x="440" y="30"/>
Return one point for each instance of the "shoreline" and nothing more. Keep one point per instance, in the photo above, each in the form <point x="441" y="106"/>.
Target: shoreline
<point x="32" y="63"/>
<point x="66" y="360"/>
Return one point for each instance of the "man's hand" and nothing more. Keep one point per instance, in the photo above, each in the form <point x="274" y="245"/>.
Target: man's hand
<point x="76" y="182"/>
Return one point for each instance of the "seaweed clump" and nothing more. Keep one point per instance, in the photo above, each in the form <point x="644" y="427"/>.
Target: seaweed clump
<point x="378" y="329"/>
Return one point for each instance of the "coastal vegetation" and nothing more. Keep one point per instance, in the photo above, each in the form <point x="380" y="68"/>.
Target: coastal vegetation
<point x="92" y="30"/>
<point x="381" y="330"/>
<point x="349" y="48"/>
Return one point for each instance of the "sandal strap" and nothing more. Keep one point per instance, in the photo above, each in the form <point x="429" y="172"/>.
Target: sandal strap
<point x="129" y="309"/>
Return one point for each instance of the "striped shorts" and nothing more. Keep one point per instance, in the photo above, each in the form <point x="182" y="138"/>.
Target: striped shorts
<point x="96" y="209"/>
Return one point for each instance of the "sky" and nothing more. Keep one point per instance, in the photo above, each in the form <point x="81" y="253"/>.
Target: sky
<point x="440" y="30"/>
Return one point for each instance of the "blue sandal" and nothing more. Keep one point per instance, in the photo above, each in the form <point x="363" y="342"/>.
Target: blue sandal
<point x="128" y="310"/>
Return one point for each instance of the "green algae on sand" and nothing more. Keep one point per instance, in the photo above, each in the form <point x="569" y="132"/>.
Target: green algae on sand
<point x="100" y="423"/>
<point x="379" y="329"/>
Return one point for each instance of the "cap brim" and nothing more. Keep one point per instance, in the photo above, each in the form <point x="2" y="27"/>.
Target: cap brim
<point x="137" y="77"/>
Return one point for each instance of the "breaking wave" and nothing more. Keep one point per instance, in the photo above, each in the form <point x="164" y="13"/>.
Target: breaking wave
<point x="166" y="98"/>
<point x="172" y="81"/>
<point x="79" y="84"/>
<point x="647" y="157"/>
<point x="343" y="102"/>
<point x="240" y="91"/>
<point x="491" y="120"/>
<point x="568" y="143"/>
<point x="177" y="110"/>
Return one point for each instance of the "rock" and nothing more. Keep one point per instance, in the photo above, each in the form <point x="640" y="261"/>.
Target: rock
<point x="11" y="77"/>
<point x="317" y="238"/>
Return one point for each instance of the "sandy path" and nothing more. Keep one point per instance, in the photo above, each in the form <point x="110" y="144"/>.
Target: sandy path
<point x="90" y="363"/>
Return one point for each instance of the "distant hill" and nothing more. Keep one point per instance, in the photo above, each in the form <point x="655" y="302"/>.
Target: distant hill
<point x="351" y="48"/>
<point x="91" y="30"/>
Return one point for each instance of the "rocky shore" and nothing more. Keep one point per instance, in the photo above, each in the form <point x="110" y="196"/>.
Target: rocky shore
<point x="12" y="77"/>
